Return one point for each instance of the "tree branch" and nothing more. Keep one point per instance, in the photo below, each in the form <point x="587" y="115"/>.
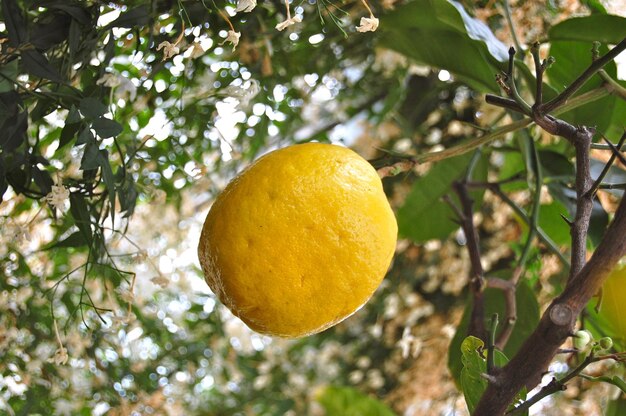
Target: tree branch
<point x="557" y="323"/>
<point x="595" y="66"/>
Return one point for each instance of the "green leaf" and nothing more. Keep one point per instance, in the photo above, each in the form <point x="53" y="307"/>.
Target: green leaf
<point x="35" y="63"/>
<point x="85" y="136"/>
<point x="424" y="31"/>
<point x="75" y="239"/>
<point x="92" y="107"/>
<point x="90" y="157"/>
<point x="9" y="71"/>
<point x="80" y="213"/>
<point x="607" y="115"/>
<point x="424" y="215"/>
<point x="614" y="380"/>
<point x="553" y="224"/>
<point x="604" y="28"/>
<point x="616" y="407"/>
<point x="473" y="357"/>
<point x="108" y="177"/>
<point x="139" y="16"/>
<point x="527" y="319"/>
<point x="12" y="16"/>
<point x="105" y="127"/>
<point x="348" y="401"/>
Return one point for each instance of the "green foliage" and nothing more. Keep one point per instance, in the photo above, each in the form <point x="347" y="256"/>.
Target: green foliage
<point x="349" y="401"/>
<point x="527" y="319"/>
<point x="423" y="30"/>
<point x="425" y="215"/>
<point x="89" y="103"/>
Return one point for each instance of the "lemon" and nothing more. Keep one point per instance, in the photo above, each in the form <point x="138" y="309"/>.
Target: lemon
<point x="300" y="240"/>
<point x="614" y="303"/>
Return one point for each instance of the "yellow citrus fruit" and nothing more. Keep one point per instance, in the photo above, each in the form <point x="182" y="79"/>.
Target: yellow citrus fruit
<point x="613" y="303"/>
<point x="299" y="240"/>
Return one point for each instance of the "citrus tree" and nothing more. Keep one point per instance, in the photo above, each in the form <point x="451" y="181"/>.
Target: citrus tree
<point x="497" y="128"/>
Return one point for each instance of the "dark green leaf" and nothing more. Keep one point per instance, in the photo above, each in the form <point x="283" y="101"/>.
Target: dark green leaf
<point x="85" y="136"/>
<point x="78" y="13"/>
<point x="9" y="71"/>
<point x="348" y="401"/>
<point x="80" y="213"/>
<point x="604" y="28"/>
<point x="90" y="157"/>
<point x="14" y="22"/>
<point x="42" y="179"/>
<point x="105" y="127"/>
<point x="70" y="129"/>
<point x="35" y="63"/>
<point x="139" y="16"/>
<point x="424" y="215"/>
<point x="128" y="197"/>
<point x="76" y="239"/>
<point x="92" y="107"/>
<point x="109" y="178"/>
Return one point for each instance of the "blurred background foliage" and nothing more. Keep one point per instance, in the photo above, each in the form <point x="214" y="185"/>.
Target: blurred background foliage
<point x="111" y="153"/>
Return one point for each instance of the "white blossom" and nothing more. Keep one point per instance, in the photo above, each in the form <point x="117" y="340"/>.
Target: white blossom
<point x="169" y="49"/>
<point x="120" y="83"/>
<point x="195" y="50"/>
<point x="17" y="233"/>
<point x="245" y="6"/>
<point x="109" y="80"/>
<point x="409" y="344"/>
<point x="57" y="196"/>
<point x="60" y="356"/>
<point x="368" y="24"/>
<point x="244" y="95"/>
<point x="291" y="21"/>
<point x="232" y="37"/>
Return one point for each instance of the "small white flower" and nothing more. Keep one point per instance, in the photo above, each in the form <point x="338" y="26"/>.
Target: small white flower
<point x="195" y="50"/>
<point x="409" y="344"/>
<point x="60" y="356"/>
<point x="169" y="49"/>
<point x="161" y="281"/>
<point x="245" y="6"/>
<point x="244" y="95"/>
<point x="120" y="83"/>
<point x="57" y="196"/>
<point x="368" y="24"/>
<point x="291" y="21"/>
<point x="126" y="85"/>
<point x="232" y="37"/>
<point x="109" y="80"/>
<point x="17" y="233"/>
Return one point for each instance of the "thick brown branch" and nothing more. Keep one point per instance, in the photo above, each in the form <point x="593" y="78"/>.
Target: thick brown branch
<point x="557" y="323"/>
<point x="584" y="200"/>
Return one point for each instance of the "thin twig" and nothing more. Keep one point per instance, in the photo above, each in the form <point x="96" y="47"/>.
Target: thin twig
<point x="595" y="66"/>
<point x="598" y="182"/>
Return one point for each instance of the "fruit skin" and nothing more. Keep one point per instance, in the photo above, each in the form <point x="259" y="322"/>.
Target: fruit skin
<point x="300" y="240"/>
<point x="613" y="306"/>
